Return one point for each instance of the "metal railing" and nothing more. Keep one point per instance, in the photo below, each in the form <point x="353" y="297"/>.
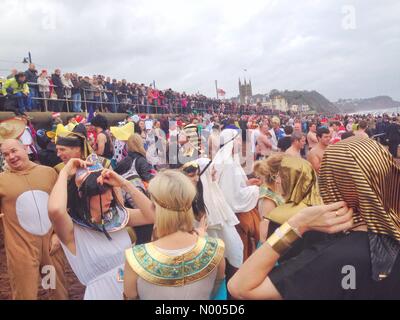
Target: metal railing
<point x="116" y="101"/>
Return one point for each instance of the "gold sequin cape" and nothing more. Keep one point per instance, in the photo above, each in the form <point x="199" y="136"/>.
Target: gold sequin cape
<point x="300" y="183"/>
<point x="174" y="271"/>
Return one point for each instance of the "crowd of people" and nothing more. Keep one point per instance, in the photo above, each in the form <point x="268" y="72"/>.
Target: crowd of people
<point x="70" y="92"/>
<point x="203" y="206"/>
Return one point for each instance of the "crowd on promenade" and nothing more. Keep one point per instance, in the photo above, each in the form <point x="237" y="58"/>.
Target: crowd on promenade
<point x="69" y="92"/>
<point x="201" y="205"/>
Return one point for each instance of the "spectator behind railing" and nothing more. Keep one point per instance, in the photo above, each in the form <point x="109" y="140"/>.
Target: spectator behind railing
<point x="87" y="93"/>
<point x="31" y="78"/>
<point x="44" y="88"/>
<point x="13" y="73"/>
<point x="98" y="91"/>
<point x="142" y="96"/>
<point x="58" y="90"/>
<point x="66" y="81"/>
<point x="76" y="93"/>
<point x="17" y="88"/>
<point x="111" y="91"/>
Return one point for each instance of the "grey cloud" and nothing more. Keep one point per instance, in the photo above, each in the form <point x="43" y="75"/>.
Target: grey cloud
<point x="186" y="45"/>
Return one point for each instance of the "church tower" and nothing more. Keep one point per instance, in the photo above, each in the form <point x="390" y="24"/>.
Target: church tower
<point x="245" y="91"/>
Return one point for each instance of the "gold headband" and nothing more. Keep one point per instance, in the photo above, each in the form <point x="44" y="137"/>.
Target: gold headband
<point x="190" y="164"/>
<point x="162" y="204"/>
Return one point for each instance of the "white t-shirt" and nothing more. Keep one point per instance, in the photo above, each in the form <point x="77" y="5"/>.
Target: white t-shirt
<point x="27" y="139"/>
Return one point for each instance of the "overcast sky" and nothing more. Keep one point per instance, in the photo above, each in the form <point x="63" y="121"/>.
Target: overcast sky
<point x="343" y="49"/>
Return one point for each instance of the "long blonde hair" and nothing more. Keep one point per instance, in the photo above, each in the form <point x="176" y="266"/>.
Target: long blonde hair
<point x="269" y="168"/>
<point x="172" y="193"/>
<point x="135" y="144"/>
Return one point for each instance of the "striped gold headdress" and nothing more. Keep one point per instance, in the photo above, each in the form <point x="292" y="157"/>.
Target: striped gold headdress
<point x="362" y="173"/>
<point x="299" y="180"/>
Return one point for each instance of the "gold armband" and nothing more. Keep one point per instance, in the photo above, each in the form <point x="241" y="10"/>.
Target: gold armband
<point x="283" y="238"/>
<point x="126" y="298"/>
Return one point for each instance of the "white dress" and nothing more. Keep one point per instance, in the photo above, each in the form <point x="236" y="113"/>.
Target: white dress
<point x="97" y="262"/>
<point x="199" y="290"/>
<point x="220" y="217"/>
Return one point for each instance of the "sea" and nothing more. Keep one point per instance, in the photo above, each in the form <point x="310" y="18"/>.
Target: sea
<point x="391" y="111"/>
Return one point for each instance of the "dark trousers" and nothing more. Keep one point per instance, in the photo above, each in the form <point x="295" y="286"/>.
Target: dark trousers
<point x="393" y="146"/>
<point x="22" y="101"/>
<point x="32" y="103"/>
<point x="57" y="105"/>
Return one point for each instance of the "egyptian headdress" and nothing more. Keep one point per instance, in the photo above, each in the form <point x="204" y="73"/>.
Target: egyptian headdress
<point x="193" y="145"/>
<point x="299" y="181"/>
<point x="362" y="173"/>
<point x="75" y="138"/>
<point x="198" y="205"/>
<point x="231" y="176"/>
<point x="82" y="188"/>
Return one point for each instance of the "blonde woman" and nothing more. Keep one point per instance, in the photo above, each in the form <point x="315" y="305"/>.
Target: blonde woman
<point x="136" y="169"/>
<point x="296" y="181"/>
<point x="270" y="191"/>
<point x="179" y="264"/>
<point x="136" y="159"/>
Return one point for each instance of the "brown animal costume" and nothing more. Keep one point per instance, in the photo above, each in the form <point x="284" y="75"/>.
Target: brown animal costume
<point x="27" y="231"/>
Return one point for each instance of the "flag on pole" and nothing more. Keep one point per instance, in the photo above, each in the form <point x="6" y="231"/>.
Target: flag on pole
<point x="221" y="92"/>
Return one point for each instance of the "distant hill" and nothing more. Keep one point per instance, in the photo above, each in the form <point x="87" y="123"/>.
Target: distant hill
<point x="376" y="103"/>
<point x="314" y="99"/>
